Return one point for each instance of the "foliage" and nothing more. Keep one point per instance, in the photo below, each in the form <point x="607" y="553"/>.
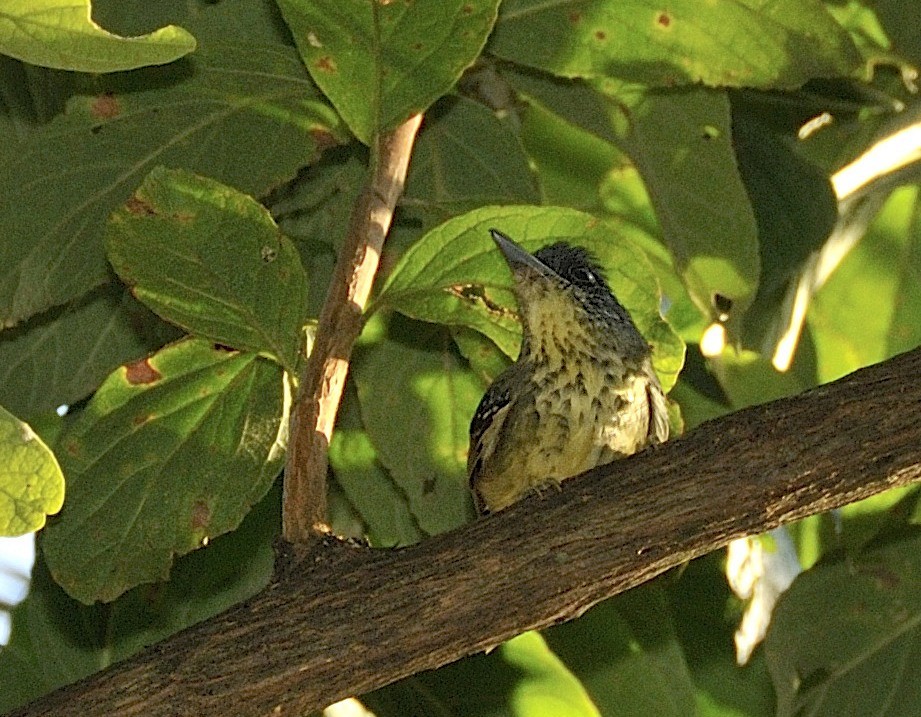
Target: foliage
<point x="167" y="234"/>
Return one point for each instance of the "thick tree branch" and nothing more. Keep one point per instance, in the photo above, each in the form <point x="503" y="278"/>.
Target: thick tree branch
<point x="344" y="620"/>
<point x="304" y="509"/>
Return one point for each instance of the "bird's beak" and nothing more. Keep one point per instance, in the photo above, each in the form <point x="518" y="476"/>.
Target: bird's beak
<point x="517" y="257"/>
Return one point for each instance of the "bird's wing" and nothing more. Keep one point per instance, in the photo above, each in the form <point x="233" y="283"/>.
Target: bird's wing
<point x="658" y="409"/>
<point x="486" y="424"/>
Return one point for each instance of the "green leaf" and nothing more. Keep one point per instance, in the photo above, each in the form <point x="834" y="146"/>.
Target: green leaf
<point x="869" y="37"/>
<point x="795" y="209"/>
<point x="247" y="115"/>
<point x="484" y="357"/>
<point x="211" y="260"/>
<point x="314" y="211"/>
<point x="31" y="482"/>
<point x="61" y="356"/>
<point x="748" y="378"/>
<point x="371" y="491"/>
<point x="455" y="275"/>
<point x="622" y="643"/>
<point x="547" y="687"/>
<point x="379" y="63"/>
<point x="571" y="163"/>
<point x="868" y="310"/>
<point x="55" y="640"/>
<point x="523" y="678"/>
<point x="573" y="102"/>
<point x="466" y="157"/>
<point x="681" y="143"/>
<point x="705" y="615"/>
<point x="844" y="637"/>
<point x="171" y="451"/>
<point x="417" y="399"/>
<point x="735" y="43"/>
<point x="63" y="35"/>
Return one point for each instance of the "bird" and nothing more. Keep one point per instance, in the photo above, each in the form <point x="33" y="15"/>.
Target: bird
<point x="583" y="391"/>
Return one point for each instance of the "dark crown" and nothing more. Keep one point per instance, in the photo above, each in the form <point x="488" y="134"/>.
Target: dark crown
<point x="574" y="264"/>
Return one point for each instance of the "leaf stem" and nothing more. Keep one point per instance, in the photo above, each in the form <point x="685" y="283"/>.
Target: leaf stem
<point x="304" y="506"/>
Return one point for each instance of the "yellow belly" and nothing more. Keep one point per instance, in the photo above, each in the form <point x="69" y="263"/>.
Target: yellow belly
<point x="565" y="433"/>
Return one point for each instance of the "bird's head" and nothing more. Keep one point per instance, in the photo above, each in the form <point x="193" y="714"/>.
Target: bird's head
<point x="562" y="293"/>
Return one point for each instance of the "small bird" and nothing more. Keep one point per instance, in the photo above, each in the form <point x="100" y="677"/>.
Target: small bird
<point x="582" y="392"/>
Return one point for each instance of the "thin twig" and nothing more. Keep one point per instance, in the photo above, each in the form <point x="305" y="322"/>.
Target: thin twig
<point x="304" y="509"/>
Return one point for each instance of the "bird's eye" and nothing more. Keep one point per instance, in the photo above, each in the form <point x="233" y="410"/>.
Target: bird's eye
<point x="581" y="275"/>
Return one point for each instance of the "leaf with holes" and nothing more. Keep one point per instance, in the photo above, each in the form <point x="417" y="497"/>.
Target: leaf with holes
<point x="171" y="451"/>
<point x="211" y="260"/>
<point x="734" y="43"/>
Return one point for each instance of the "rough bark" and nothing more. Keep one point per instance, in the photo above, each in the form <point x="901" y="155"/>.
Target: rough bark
<point x="342" y="620"/>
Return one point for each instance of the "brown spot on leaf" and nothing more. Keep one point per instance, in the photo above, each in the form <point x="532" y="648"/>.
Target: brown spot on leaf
<point x="201" y="515"/>
<point x="326" y="64"/>
<point x="601" y="35"/>
<point x="575" y="17"/>
<point x="139" y="206"/>
<point x="663" y="19"/>
<point x="141" y="419"/>
<point x="224" y="347"/>
<point x="105" y="107"/>
<point x="141" y="372"/>
<point x="467" y="9"/>
<point x="477" y="295"/>
<point x="884" y="578"/>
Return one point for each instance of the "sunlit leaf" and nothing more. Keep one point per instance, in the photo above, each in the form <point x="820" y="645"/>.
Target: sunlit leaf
<point x="733" y="43"/>
<point x="248" y="116"/>
<point x="31" y="483"/>
<point x="523" y="678"/>
<point x="62" y="34"/>
<point x="868" y="310"/>
<point x="681" y="144"/>
<point x="622" y="643"/>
